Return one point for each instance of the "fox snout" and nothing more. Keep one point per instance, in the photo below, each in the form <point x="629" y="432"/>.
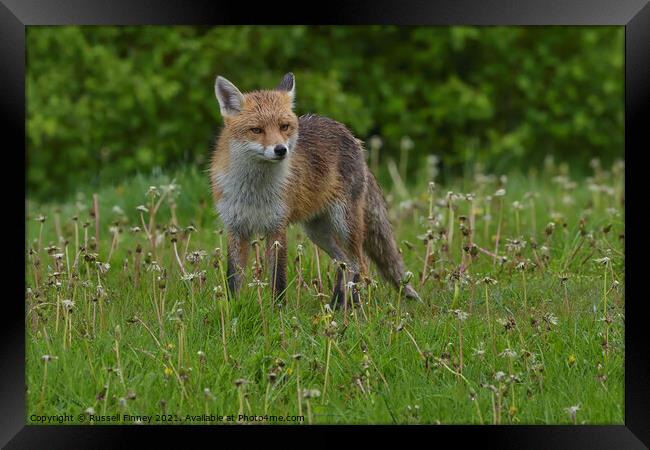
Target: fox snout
<point x="280" y="151"/>
<point x="274" y="152"/>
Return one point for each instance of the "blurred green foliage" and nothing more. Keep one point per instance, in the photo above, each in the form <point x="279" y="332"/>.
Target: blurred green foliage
<point x="105" y="102"/>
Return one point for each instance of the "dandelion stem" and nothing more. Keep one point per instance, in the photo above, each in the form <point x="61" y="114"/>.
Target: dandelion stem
<point x="327" y="366"/>
<point x="223" y="333"/>
<point x="96" y="214"/>
<point x="498" y="236"/>
<point x="320" y="280"/>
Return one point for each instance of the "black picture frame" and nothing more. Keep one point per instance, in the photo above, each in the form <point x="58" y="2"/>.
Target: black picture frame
<point x="634" y="15"/>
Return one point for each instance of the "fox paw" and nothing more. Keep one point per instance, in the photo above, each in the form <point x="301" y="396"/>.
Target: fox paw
<point x="409" y="292"/>
<point x="338" y="299"/>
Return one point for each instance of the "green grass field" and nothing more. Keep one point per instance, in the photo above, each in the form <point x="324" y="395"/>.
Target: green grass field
<point x="522" y="320"/>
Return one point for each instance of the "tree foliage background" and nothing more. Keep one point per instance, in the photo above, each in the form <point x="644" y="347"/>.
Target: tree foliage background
<point x="106" y="102"/>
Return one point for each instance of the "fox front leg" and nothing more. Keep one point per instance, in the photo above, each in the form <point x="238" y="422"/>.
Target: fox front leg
<point x="276" y="258"/>
<point x="237" y="257"/>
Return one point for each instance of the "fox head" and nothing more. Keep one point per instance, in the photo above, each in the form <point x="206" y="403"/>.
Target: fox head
<point x="261" y="124"/>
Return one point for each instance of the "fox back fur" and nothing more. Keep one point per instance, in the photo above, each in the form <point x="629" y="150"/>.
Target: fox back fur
<point x="271" y="168"/>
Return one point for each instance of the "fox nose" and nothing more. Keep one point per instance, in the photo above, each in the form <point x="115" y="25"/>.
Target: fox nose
<point x="280" y="150"/>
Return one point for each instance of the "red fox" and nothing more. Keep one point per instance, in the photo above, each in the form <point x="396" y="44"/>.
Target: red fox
<point x="271" y="168"/>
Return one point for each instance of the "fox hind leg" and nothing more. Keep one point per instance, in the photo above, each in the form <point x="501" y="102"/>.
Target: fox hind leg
<point x="353" y="247"/>
<point x="339" y="232"/>
<point x="320" y="231"/>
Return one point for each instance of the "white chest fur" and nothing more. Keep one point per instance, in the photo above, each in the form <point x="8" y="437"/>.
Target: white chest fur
<point x="253" y="197"/>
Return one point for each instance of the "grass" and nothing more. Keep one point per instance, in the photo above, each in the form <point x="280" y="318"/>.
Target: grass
<point x="522" y="320"/>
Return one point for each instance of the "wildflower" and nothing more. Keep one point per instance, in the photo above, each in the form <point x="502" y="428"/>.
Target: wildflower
<point x="48" y="358"/>
<point x="171" y="188"/>
<point x="142" y="209"/>
<point x="500" y="193"/>
<point x="90" y="257"/>
<point x="487" y="280"/>
<point x="406" y="143"/>
<point x="310" y="393"/>
<point x="208" y="394"/>
<point x="342" y="265"/>
<point x="572" y="411"/>
<point x="257" y="283"/>
<point x="240" y="382"/>
<point x="152" y="192"/>
<point x="515" y="245"/>
<point x="550" y="319"/>
<point x="508" y="323"/>
<point x="196" y="257"/>
<point x="168" y="371"/>
<point x="550" y="227"/>
<point x="117" y="210"/>
<point x="375" y="142"/>
<point x="68" y="305"/>
<point x="155" y="267"/>
<point x="103" y="267"/>
<point x="426" y="237"/>
<point x="602" y="261"/>
<point x="179" y="313"/>
<point x="571" y="360"/>
<point x="51" y="249"/>
<point x="40" y="218"/>
<point x="460" y="315"/>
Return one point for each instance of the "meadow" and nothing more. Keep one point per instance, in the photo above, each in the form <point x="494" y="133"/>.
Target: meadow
<point x="521" y="320"/>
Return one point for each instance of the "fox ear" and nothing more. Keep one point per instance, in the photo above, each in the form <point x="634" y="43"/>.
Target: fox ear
<point x="230" y="99"/>
<point x="288" y="84"/>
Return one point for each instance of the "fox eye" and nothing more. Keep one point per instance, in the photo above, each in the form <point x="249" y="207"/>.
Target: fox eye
<point x="284" y="127"/>
<point x="256" y="130"/>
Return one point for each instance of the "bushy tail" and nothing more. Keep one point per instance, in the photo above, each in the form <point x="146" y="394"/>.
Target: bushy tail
<point x="379" y="242"/>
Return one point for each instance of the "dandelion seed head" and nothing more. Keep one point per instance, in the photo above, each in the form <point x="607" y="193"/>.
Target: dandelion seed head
<point x="375" y="142"/>
<point x="406" y="143"/>
<point x="310" y="393"/>
<point x="68" y="304"/>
